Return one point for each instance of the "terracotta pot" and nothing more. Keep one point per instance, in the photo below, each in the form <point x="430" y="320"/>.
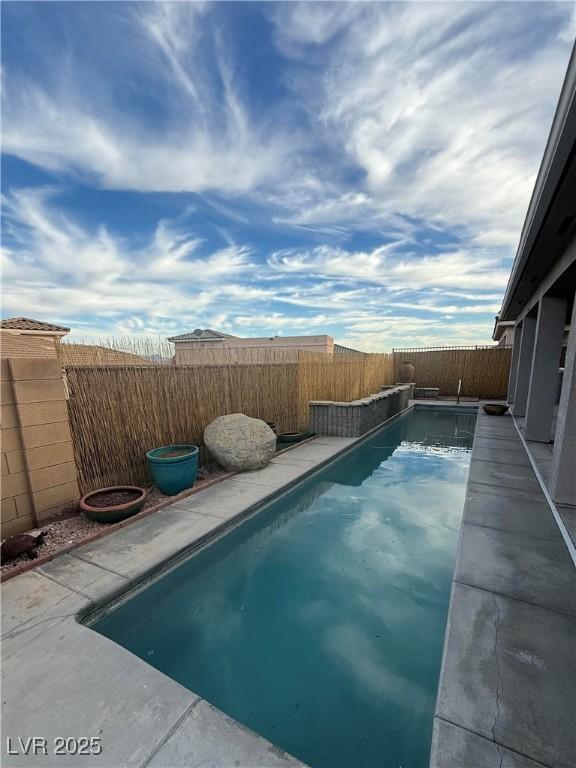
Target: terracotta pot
<point x="495" y="409"/>
<point x="113" y="513"/>
<point x="406" y="372"/>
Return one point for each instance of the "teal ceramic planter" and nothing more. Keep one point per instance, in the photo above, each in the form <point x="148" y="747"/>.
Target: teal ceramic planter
<point x="174" y="467"/>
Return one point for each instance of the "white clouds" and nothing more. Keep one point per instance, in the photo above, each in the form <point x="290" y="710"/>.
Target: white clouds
<point x="376" y="334"/>
<point x="426" y="103"/>
<point x="387" y="265"/>
<point x="54" y="264"/>
<point x="300" y="23"/>
<point x="206" y="140"/>
<point x="445" y="108"/>
<point x="103" y="284"/>
<point x="124" y="155"/>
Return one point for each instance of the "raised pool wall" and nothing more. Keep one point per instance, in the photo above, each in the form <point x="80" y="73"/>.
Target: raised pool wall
<point x="353" y="419"/>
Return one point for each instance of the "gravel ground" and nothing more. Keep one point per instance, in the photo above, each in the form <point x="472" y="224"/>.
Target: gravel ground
<point x="72" y="530"/>
<point x="59" y="534"/>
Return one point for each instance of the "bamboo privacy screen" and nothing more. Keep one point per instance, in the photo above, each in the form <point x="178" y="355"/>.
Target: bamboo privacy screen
<point x="120" y="411"/>
<point x="484" y="370"/>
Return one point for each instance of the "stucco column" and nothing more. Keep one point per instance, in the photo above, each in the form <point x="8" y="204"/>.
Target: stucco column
<point x="545" y="366"/>
<point x="524" y="365"/>
<point x="514" y="363"/>
<point x="563" y="474"/>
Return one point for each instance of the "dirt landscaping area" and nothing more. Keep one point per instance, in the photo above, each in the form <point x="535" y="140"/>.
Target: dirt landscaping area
<point x="67" y="533"/>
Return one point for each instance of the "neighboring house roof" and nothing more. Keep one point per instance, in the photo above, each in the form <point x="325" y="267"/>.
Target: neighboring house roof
<point x="78" y="355"/>
<point x="26" y="324"/>
<point x="202" y="334"/>
<point x="339" y="350"/>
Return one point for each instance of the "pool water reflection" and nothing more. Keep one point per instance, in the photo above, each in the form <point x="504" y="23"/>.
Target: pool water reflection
<point x="319" y="623"/>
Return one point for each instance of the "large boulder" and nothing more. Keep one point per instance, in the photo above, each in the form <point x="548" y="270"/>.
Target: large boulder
<point x="240" y="443"/>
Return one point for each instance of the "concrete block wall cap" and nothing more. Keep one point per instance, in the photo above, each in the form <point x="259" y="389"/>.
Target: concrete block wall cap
<point x="321" y="402"/>
<point x="341" y="405"/>
<point x="27" y="369"/>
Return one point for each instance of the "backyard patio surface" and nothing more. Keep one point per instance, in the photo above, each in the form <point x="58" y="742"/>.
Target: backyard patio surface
<point x="542" y="455"/>
<point x="506" y="694"/>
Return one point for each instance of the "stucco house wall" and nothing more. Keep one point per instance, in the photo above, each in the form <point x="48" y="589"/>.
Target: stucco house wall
<point x="186" y="352"/>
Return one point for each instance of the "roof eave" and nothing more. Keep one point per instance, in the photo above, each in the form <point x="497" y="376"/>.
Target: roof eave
<point x="558" y="147"/>
<point x="22" y="332"/>
<point x="188" y="338"/>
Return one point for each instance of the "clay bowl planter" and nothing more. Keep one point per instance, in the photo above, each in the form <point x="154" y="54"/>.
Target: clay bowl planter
<point x="292" y="437"/>
<point x="174" y="467"/>
<point x="110" y="505"/>
<point x="495" y="409"/>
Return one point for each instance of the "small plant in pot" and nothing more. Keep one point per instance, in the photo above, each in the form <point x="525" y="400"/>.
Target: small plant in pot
<point x="174" y="467"/>
<point x="110" y="505"/>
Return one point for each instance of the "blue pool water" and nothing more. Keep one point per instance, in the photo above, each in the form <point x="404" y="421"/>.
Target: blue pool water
<point x="319" y="622"/>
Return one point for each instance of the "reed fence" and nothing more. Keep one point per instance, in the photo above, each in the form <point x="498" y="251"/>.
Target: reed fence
<point x="483" y="370"/>
<point x="118" y="412"/>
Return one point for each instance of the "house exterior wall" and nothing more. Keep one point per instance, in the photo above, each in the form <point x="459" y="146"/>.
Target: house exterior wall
<point x="14" y="344"/>
<point x="38" y="467"/>
<point x="185" y="352"/>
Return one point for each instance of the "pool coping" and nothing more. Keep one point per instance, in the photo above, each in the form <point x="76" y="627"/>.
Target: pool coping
<point x="49" y="650"/>
<point x="506" y="693"/>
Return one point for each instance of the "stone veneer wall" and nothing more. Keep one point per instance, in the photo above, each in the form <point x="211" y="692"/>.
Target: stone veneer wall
<point x="38" y="467"/>
<point x="359" y="416"/>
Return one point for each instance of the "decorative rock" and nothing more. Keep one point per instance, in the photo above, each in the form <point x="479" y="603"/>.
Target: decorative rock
<point x="240" y="443"/>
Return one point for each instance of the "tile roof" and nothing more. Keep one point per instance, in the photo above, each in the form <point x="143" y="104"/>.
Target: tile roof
<point x="26" y="324"/>
<point x="81" y="355"/>
<point x="202" y="334"/>
<point x="340" y="350"/>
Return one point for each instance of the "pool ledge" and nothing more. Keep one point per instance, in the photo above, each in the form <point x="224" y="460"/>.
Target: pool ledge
<point x="60" y="678"/>
<point x="506" y="695"/>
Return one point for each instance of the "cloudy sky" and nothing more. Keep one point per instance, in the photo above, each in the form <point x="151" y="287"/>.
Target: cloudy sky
<point x="357" y="169"/>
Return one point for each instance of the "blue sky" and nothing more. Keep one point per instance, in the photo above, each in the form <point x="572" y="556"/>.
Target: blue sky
<point x="357" y="169"/>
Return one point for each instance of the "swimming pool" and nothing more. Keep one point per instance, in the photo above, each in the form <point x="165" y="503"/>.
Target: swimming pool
<point x="319" y="622"/>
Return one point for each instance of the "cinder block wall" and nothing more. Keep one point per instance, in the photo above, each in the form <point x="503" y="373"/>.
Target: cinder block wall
<point x="38" y="467"/>
<point x="359" y="416"/>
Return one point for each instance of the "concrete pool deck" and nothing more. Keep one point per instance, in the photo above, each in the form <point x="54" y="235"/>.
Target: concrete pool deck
<point x="506" y="694"/>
